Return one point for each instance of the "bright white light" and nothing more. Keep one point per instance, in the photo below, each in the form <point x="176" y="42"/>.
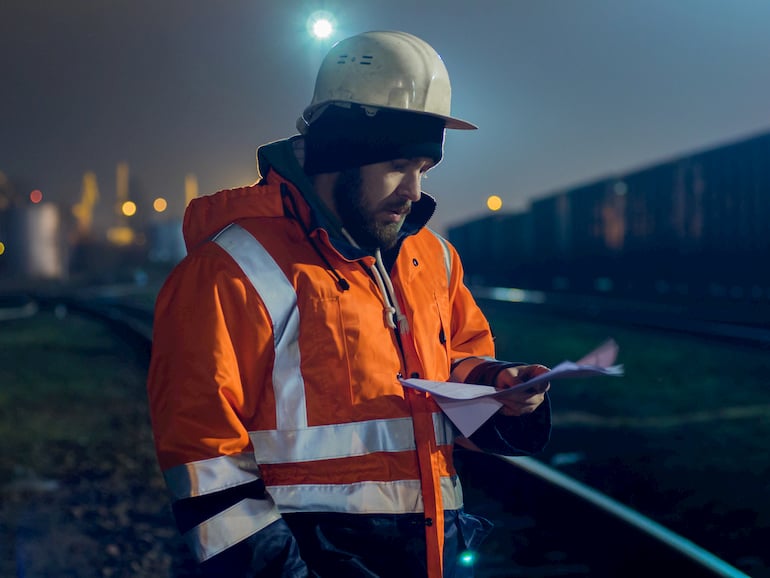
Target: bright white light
<point x="322" y="28"/>
<point x="321" y="25"/>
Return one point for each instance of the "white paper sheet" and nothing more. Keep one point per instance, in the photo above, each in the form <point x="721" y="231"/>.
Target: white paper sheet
<point x="470" y="405"/>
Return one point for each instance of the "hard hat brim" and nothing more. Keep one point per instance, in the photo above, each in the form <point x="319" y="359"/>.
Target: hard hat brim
<point x="310" y="112"/>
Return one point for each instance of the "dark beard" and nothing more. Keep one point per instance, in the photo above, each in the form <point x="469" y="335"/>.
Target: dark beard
<point x="361" y="226"/>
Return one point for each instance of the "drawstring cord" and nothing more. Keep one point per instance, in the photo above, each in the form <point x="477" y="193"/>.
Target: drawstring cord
<point x="382" y="275"/>
<point x="392" y="311"/>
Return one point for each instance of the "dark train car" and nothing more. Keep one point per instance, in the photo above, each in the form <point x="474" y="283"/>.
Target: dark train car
<point x="650" y="256"/>
<point x="470" y="241"/>
<point x="510" y="247"/>
<point x="550" y="249"/>
<point x="697" y="227"/>
<point x="734" y="245"/>
<point x="579" y="235"/>
<point x="596" y="224"/>
<point x="494" y="248"/>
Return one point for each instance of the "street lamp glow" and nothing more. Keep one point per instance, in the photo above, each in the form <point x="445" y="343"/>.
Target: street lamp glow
<point x="321" y="25"/>
<point x="494" y="203"/>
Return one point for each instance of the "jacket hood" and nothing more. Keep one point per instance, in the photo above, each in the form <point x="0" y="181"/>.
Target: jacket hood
<point x="205" y="216"/>
<point x="277" y="165"/>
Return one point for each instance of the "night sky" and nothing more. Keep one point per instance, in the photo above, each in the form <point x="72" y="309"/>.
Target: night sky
<point x="564" y="91"/>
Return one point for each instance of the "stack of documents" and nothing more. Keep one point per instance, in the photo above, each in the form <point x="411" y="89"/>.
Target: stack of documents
<point x="470" y="405"/>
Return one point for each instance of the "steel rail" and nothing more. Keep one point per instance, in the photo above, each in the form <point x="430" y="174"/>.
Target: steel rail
<point x="671" y="539"/>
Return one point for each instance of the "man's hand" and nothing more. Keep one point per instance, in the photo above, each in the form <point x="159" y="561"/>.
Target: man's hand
<point x="526" y="399"/>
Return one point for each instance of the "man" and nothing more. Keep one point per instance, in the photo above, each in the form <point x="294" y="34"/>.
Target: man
<point x="288" y="443"/>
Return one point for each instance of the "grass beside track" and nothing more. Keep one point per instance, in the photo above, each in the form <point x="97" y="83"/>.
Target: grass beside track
<point x="80" y="492"/>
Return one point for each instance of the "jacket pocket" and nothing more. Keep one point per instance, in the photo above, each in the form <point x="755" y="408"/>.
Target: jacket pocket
<point x="323" y="349"/>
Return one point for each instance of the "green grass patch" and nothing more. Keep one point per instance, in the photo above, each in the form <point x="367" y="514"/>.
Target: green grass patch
<point x="58" y="376"/>
<point x="665" y="373"/>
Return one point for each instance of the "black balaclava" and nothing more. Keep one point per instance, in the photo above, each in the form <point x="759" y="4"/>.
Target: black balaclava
<point x="347" y="137"/>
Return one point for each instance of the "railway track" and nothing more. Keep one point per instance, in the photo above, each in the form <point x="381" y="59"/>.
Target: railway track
<point x="678" y="318"/>
<point x="548" y="524"/>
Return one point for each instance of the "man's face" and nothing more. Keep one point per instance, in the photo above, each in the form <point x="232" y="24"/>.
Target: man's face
<point x="373" y="201"/>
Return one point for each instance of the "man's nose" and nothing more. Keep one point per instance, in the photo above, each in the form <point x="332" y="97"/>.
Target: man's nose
<point x="411" y="186"/>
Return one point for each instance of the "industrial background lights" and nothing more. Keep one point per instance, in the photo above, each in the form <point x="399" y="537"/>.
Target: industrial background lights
<point x="159" y="205"/>
<point x="321" y="25"/>
<point x="128" y="208"/>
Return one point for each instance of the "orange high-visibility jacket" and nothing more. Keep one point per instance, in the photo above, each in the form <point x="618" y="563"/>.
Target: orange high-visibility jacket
<point x="272" y="359"/>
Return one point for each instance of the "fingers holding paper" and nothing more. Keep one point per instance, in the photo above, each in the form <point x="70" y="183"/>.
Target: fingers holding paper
<point x="521" y="400"/>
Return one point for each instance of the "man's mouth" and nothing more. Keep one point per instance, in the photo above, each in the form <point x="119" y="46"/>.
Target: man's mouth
<point x="401" y="210"/>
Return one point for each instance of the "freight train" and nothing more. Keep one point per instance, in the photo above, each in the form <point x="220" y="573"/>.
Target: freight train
<point x="695" y="229"/>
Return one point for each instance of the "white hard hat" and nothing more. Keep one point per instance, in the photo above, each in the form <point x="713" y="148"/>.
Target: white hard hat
<point x="383" y="69"/>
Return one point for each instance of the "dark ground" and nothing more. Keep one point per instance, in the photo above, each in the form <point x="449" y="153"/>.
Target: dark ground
<point x="80" y="492"/>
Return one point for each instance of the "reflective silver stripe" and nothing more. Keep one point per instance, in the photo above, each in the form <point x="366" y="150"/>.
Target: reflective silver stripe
<point x="231" y="526"/>
<point x="343" y="440"/>
<point x="447" y="256"/>
<point x="444" y="429"/>
<point x="280" y="299"/>
<point x="212" y="475"/>
<point x="399" y="497"/>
